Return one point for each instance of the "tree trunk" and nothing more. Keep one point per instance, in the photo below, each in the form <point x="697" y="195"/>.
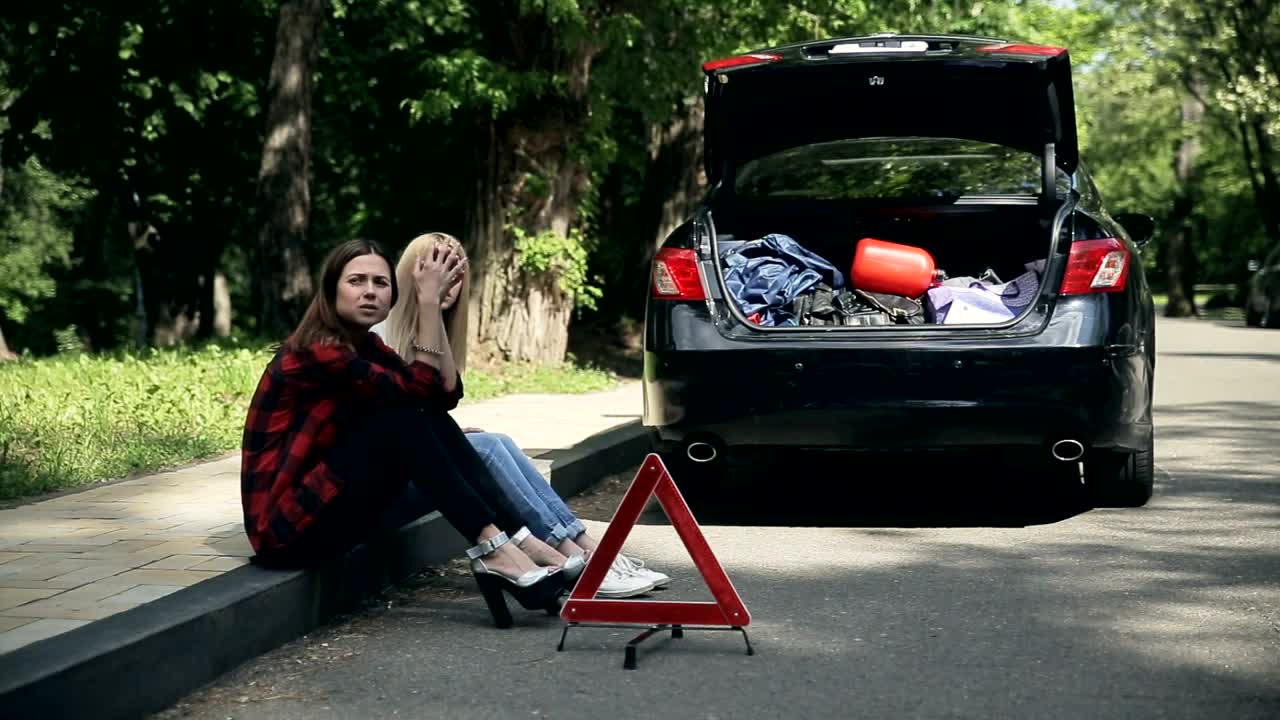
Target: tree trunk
<point x="1177" y="248"/>
<point x="221" y="306"/>
<point x="282" y="281"/>
<point x="5" y="353"/>
<point x="1246" y="149"/>
<point x="517" y="314"/>
<point x="168" y="280"/>
<point x="1180" y="249"/>
<point x="214" y="303"/>
<point x="528" y="177"/>
<point x="488" y="248"/>
<point x="141" y="234"/>
<point x="1269" y="201"/>
<point x="673" y="183"/>
<point x="674" y="177"/>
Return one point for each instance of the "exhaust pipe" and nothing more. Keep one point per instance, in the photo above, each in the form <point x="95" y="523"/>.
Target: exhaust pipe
<point x="1068" y="450"/>
<point x="701" y="452"/>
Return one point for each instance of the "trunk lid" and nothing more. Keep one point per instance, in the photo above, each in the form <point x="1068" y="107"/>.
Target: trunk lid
<point x="981" y="89"/>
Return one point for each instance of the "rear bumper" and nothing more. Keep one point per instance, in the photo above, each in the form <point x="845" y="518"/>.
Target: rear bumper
<point x="902" y="428"/>
<point x="1027" y="392"/>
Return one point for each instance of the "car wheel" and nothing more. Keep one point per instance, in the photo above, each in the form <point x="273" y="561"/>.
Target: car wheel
<point x="1115" y="479"/>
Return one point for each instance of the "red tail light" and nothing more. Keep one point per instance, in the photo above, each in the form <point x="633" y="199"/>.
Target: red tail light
<point x="1023" y="49"/>
<point x="1096" y="266"/>
<point x="753" y="59"/>
<point x="676" y="276"/>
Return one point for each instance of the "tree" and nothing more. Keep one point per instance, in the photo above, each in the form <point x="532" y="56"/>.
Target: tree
<point x="282" y="277"/>
<point x="37" y="210"/>
<point x="514" y="78"/>
<point x="150" y="107"/>
<point x="1232" y="47"/>
<point x="1180" y="84"/>
<point x="1180" y="259"/>
<point x="561" y="139"/>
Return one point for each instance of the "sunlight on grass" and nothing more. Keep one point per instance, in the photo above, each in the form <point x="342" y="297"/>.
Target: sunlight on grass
<point x="75" y="420"/>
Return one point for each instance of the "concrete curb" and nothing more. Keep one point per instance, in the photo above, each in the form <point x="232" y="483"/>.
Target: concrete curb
<point x="145" y="659"/>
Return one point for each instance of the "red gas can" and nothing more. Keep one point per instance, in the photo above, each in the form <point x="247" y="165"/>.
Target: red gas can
<point x="891" y="268"/>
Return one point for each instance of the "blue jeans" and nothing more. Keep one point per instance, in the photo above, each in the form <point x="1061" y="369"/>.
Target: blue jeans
<point x="533" y="499"/>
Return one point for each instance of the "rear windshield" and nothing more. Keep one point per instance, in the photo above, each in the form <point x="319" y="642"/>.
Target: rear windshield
<point x="923" y="168"/>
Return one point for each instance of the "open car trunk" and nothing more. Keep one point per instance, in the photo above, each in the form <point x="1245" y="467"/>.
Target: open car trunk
<point x="963" y="148"/>
<point x="966" y="223"/>
<point x="790" y="265"/>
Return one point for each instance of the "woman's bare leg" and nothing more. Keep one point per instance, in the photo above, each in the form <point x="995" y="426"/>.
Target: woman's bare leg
<point x="508" y="559"/>
<point x="542" y="553"/>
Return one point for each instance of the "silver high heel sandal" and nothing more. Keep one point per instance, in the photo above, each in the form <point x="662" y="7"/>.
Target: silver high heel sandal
<point x="572" y="567"/>
<point x="535" y="590"/>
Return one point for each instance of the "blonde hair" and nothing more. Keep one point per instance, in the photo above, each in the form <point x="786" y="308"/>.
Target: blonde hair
<point x="402" y="321"/>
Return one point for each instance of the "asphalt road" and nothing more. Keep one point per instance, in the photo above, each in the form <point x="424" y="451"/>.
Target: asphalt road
<point x="968" y="590"/>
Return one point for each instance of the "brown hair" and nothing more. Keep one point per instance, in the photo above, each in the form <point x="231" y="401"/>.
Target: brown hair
<point x="320" y="323"/>
<point x="402" y="323"/>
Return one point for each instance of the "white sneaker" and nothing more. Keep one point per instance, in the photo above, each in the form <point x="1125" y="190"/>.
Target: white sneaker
<point x="623" y="585"/>
<point x="631" y="566"/>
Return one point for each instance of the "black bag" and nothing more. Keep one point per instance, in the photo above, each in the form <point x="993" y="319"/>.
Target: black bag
<point x="902" y="310"/>
<point x="853" y="311"/>
<point x="823" y="306"/>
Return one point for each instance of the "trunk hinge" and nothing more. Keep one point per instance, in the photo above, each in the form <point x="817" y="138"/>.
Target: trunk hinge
<point x="1049" y="174"/>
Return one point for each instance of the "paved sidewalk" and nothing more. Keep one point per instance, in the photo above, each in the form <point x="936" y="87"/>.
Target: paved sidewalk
<point x="68" y="561"/>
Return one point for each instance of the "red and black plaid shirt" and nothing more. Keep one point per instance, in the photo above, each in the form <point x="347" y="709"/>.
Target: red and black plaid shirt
<point x="292" y="422"/>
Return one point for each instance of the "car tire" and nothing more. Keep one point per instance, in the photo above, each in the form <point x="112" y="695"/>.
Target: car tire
<point x="1116" y="479"/>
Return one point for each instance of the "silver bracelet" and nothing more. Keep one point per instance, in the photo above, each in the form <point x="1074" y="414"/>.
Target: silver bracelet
<point x="413" y="343"/>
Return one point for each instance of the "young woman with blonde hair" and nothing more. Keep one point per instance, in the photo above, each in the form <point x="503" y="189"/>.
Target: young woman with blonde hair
<point x="565" y="540"/>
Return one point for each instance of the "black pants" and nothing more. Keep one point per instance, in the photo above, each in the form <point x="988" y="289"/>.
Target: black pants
<point x="397" y="465"/>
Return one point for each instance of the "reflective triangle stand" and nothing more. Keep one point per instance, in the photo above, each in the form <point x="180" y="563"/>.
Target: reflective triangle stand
<point x="582" y="609"/>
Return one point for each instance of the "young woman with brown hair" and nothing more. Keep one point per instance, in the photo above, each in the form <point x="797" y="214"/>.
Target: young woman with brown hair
<point x="339" y="441"/>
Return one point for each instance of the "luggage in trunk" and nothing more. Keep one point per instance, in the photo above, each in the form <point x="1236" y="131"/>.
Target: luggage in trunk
<point x="989" y="264"/>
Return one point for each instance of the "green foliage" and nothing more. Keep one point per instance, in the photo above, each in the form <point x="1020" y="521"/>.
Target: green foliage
<point x="465" y="60"/>
<point x="37" y="212"/>
<point x="1152" y="57"/>
<point x="157" y="101"/>
<point x="563" y="256"/>
<point x="512" y="378"/>
<point x="164" y="98"/>
<point x="73" y="420"/>
<point x="1227" y="45"/>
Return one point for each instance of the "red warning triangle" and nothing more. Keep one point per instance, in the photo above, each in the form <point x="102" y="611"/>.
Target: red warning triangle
<point x="582" y="605"/>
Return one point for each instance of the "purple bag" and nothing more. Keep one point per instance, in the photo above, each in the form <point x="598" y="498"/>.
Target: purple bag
<point x="971" y="301"/>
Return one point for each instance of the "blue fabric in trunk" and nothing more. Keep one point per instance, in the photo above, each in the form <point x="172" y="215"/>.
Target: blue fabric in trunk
<point x="764" y="276"/>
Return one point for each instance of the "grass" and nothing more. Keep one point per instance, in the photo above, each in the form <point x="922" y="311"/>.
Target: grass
<point x="1202" y="299"/>
<point x="483" y="383"/>
<point x="70" y="421"/>
<point x="1162" y="299"/>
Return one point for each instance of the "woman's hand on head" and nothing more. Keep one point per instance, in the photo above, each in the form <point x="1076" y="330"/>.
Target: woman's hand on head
<point x="435" y="272"/>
